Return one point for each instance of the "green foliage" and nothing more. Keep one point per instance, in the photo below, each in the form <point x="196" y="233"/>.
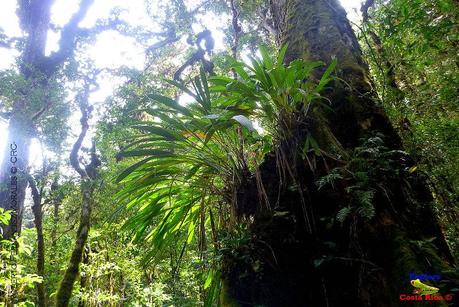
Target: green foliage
<point x="186" y="155"/>
<point x="52" y="125"/>
<point x="15" y="279"/>
<point x="190" y="159"/>
<point x="416" y="74"/>
<point x="419" y="41"/>
<point x="362" y="175"/>
<point x="273" y="91"/>
<point x="328" y="179"/>
<point x="183" y="163"/>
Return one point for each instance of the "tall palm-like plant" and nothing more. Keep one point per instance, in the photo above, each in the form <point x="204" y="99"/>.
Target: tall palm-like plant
<point x="192" y="158"/>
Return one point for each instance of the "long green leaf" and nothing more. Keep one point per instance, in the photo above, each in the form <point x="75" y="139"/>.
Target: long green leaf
<point x="171" y="103"/>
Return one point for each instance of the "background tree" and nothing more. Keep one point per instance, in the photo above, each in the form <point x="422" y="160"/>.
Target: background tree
<point x="423" y="107"/>
<point x="88" y="176"/>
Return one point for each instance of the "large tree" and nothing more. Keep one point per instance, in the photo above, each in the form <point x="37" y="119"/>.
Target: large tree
<point x="347" y="229"/>
<point x="33" y="97"/>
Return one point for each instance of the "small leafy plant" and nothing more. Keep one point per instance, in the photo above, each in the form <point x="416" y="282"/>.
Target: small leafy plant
<point x="13" y="277"/>
<point x="368" y="165"/>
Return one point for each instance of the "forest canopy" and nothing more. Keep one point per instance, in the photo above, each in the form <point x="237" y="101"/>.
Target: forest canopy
<point x="229" y="153"/>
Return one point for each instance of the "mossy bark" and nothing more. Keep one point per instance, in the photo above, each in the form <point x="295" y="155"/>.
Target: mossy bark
<point x="71" y="274"/>
<point x="89" y="176"/>
<point x="299" y="254"/>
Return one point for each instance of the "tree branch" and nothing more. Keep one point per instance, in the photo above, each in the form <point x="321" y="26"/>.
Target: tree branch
<point x="68" y="39"/>
<point x="85" y="112"/>
<point x="236" y="31"/>
<point x="7" y="42"/>
<point x="43" y="109"/>
<point x="82" y="99"/>
<point x="199" y="54"/>
<point x="88" y="175"/>
<point x="36" y="195"/>
<point x="169" y="40"/>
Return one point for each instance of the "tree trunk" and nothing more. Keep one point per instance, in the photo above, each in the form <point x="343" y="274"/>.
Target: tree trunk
<point x="13" y="174"/>
<point x="35" y="18"/>
<point x="84" y="279"/>
<point x="396" y="95"/>
<point x="307" y="251"/>
<point x="66" y="287"/>
<point x="88" y="176"/>
<point x="56" y="199"/>
<point x="38" y="219"/>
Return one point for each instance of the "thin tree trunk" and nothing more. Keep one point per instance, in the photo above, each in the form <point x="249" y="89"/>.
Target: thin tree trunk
<point x="56" y="199"/>
<point x="304" y="256"/>
<point x="38" y="219"/>
<point x="386" y="66"/>
<point x="66" y="287"/>
<point x="88" y="176"/>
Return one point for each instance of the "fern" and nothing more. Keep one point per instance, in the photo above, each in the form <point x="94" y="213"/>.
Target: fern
<point x="342" y="214"/>
<point x="328" y="179"/>
<point x="366" y="208"/>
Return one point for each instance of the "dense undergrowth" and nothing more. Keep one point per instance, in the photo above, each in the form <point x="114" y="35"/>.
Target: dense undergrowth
<point x="411" y="47"/>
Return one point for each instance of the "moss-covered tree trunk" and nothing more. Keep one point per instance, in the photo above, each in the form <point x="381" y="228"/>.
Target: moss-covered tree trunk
<point x="88" y="176"/>
<point x="348" y="226"/>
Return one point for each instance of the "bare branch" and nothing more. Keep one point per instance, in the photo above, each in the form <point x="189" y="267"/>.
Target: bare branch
<point x="104" y="25"/>
<point x="90" y="170"/>
<point x="169" y="40"/>
<point x="198" y="55"/>
<point x="43" y="109"/>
